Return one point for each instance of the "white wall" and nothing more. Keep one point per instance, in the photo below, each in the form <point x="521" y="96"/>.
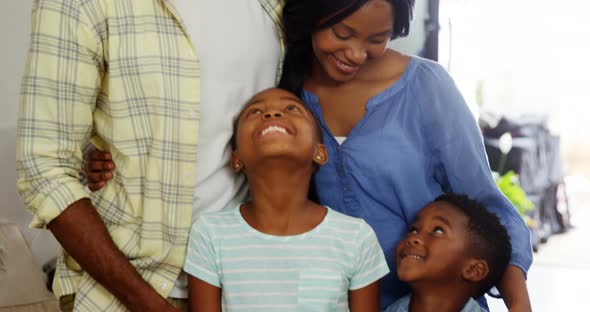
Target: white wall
<point x="14" y="36"/>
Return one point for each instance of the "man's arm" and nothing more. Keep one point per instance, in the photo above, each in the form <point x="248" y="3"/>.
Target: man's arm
<point x="59" y="92"/>
<point x="81" y="232"/>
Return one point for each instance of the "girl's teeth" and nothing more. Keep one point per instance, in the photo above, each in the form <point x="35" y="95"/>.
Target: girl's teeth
<point x="273" y="129"/>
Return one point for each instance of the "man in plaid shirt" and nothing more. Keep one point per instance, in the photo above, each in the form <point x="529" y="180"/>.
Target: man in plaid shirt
<point x="153" y="82"/>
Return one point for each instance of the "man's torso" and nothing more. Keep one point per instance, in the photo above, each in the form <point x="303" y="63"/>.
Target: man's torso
<point x="148" y="115"/>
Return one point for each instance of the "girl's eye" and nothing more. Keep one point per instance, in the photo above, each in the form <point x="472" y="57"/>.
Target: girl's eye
<point x="413" y="230"/>
<point x="292" y="107"/>
<point x="254" y="111"/>
<point x="438" y="230"/>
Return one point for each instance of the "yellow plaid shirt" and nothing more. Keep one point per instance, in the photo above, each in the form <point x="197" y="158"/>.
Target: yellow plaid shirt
<point x="124" y="74"/>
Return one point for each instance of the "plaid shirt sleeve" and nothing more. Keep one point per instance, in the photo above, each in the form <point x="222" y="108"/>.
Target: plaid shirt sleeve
<point x="124" y="74"/>
<point x="274" y="9"/>
<point x="58" y="96"/>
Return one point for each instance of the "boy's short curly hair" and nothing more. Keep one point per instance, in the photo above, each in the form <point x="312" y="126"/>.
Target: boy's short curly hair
<point x="489" y="239"/>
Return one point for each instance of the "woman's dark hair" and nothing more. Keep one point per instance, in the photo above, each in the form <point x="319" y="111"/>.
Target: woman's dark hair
<point x="301" y="18"/>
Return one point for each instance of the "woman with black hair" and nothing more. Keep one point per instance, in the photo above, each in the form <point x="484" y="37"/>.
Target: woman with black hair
<point x="397" y="130"/>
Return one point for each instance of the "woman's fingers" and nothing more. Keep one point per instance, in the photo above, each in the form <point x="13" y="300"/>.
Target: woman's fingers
<point x="95" y="186"/>
<point x="99" y="161"/>
<point x="99" y="155"/>
<point x="98" y="176"/>
<point x="99" y="169"/>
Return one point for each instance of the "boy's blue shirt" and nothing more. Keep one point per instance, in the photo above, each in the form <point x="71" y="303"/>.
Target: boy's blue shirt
<point x="403" y="305"/>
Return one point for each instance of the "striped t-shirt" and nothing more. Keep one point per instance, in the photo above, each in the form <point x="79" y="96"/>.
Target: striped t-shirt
<point x="313" y="271"/>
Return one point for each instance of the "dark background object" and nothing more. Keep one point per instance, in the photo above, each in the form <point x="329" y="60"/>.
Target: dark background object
<point x="535" y="157"/>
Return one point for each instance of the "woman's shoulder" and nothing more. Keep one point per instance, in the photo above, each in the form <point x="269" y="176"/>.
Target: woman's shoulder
<point x="415" y="71"/>
<point x="428" y="81"/>
<point x="427" y="71"/>
<point x="392" y="65"/>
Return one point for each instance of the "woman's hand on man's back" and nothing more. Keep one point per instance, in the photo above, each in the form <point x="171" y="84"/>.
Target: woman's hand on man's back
<point x="99" y="169"/>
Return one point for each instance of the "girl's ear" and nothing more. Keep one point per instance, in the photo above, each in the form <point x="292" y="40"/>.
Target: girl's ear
<point x="321" y="155"/>
<point x="235" y="162"/>
<point x="475" y="270"/>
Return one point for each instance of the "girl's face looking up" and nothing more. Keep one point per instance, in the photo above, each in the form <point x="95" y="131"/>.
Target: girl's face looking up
<point x="276" y="124"/>
<point x="342" y="49"/>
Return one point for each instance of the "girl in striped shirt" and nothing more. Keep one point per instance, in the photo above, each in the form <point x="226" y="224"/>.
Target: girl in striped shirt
<point x="281" y="251"/>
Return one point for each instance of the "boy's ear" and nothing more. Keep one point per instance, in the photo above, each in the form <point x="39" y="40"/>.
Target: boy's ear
<point x="235" y="163"/>
<point x="321" y="155"/>
<point x="475" y="271"/>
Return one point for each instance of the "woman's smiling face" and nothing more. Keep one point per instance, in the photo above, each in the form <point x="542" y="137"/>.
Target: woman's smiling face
<point x="343" y="48"/>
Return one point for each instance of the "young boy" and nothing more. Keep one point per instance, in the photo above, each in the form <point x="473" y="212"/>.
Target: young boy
<point x="455" y="251"/>
<point x="281" y="251"/>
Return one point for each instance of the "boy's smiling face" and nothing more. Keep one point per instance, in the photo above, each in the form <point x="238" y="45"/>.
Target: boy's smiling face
<point x="276" y="123"/>
<point x="434" y="250"/>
